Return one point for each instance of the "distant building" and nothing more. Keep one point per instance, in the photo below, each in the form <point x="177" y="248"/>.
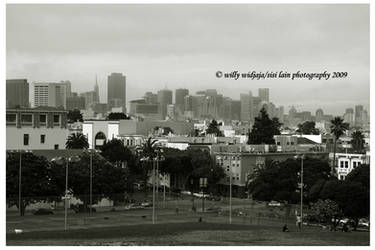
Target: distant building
<point x="145" y="110"/>
<point x="17" y="93"/>
<point x="235" y="110"/>
<point x="49" y="94"/>
<point x="179" y="99"/>
<point x="319" y="115"/>
<point x="349" y="116"/>
<point x="75" y="102"/>
<point x="151" y="98"/>
<point x="100" y="131"/>
<point x="247" y="107"/>
<point x="164" y="99"/>
<point x="116" y="91"/>
<point x="39" y="128"/>
<point x="264" y="94"/>
<point x="358" y="121"/>
<point x="146" y="127"/>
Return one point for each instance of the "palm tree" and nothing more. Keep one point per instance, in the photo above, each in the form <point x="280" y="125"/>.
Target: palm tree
<point x="338" y="128"/>
<point x="357" y="141"/>
<point x="77" y="141"/>
<point x="148" y="153"/>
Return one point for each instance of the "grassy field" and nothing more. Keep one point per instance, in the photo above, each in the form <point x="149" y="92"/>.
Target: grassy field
<point x="257" y="225"/>
<point x="191" y="233"/>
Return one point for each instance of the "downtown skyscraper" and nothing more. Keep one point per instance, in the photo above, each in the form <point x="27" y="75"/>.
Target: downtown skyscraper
<point x="116" y="94"/>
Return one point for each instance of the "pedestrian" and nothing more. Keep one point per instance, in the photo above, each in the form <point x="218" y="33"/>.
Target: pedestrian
<point x="298" y="221"/>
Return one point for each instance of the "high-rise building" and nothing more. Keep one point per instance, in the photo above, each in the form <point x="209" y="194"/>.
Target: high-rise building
<point x="247" y="107"/>
<point x="319" y="114"/>
<point x="358" y="120"/>
<point x="151" y="98"/>
<point x="179" y="99"/>
<point x="164" y="98"/>
<point x="96" y="90"/>
<point x="75" y="102"/>
<point x="116" y="91"/>
<point x="48" y="94"/>
<point x="349" y="116"/>
<point x="17" y="93"/>
<point x="264" y="94"/>
<point x="68" y="85"/>
<point x="235" y="110"/>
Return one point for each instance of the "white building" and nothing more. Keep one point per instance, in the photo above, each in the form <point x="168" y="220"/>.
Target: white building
<point x="31" y="129"/>
<point x="346" y="162"/>
<point x="48" y="94"/>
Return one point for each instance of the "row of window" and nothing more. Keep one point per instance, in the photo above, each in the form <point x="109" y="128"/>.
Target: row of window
<point x="27" y="119"/>
<point x="26" y="140"/>
<point x="287" y="143"/>
<point x="345" y="164"/>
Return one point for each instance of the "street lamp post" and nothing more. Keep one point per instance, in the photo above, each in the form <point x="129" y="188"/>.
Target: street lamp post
<point x="301" y="156"/>
<point x="19" y="184"/>
<point x="153" y="192"/>
<point x="90" y="182"/>
<point x="230" y="189"/>
<point x="301" y="189"/>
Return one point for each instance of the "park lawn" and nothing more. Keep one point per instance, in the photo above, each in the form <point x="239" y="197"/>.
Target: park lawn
<point x="191" y="233"/>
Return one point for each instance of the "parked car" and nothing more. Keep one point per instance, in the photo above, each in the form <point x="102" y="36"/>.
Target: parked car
<point x="146" y="204"/>
<point x="42" y="211"/>
<point x="274" y="204"/>
<point x="133" y="206"/>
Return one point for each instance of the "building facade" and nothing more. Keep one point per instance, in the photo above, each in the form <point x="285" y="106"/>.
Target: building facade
<point x="31" y="129"/>
<point x="116" y="94"/>
<point x="17" y="93"/>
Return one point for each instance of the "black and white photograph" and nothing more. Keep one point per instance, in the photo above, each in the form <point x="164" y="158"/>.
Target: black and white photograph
<point x="186" y="124"/>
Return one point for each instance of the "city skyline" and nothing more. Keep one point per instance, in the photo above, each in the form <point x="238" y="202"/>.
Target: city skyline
<point x="141" y="42"/>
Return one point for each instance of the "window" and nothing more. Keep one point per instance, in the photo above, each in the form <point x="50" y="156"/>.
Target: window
<point x="42" y="139"/>
<point x="238" y="178"/>
<point x="56" y="146"/>
<point x="233" y="178"/>
<point x="341" y="164"/>
<point x="354" y="164"/>
<point x="341" y="177"/>
<point x="238" y="165"/>
<point x="56" y="119"/>
<point x="287" y="143"/>
<point x="278" y="143"/>
<point x="292" y="143"/>
<point x="42" y="119"/>
<point x="11" y="118"/>
<point x="346" y="164"/>
<point x="27" y="119"/>
<point x="25" y="139"/>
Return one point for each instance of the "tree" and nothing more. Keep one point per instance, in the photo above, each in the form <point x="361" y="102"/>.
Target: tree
<point x="115" y="116"/>
<point x="213" y="128"/>
<point x="108" y="181"/>
<point x="77" y="141"/>
<point x="338" y="128"/>
<point x="308" y="128"/>
<point x="264" y="129"/>
<point x="148" y="152"/>
<point x="74" y="116"/>
<point x="37" y="183"/>
<point x="327" y="212"/>
<point x="358" y="141"/>
<point x="116" y="153"/>
<point x="360" y="174"/>
<point x="279" y="180"/>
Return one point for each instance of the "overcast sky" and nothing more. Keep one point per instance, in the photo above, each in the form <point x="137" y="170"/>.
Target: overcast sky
<point x="184" y="45"/>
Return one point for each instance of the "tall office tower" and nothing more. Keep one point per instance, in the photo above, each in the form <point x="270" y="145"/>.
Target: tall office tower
<point x="179" y="99"/>
<point x="17" y="93"/>
<point x="164" y="98"/>
<point x="292" y="113"/>
<point x="247" y="107"/>
<point x="280" y="113"/>
<point x="349" y="116"/>
<point x="358" y="120"/>
<point x="235" y="110"/>
<point x="116" y="94"/>
<point x="151" y="98"/>
<point x="306" y="116"/>
<point x="96" y="90"/>
<point x="264" y="94"/>
<point x="68" y="85"/>
<point x="319" y="115"/>
<point x="227" y="108"/>
<point x="75" y="102"/>
<point x="48" y="94"/>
